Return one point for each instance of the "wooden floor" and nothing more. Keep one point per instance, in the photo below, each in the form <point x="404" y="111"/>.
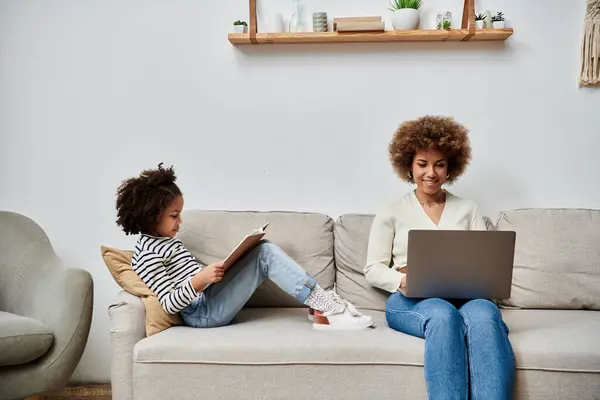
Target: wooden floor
<point x="87" y="392"/>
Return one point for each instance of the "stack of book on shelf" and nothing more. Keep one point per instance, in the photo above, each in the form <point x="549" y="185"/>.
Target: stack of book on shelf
<point x="358" y="24"/>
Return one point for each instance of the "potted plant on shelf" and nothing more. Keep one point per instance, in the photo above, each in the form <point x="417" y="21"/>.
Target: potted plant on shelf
<point x="406" y="14"/>
<point x="240" y="27"/>
<point x="498" y="21"/>
<point x="445" y="24"/>
<point x="479" y="20"/>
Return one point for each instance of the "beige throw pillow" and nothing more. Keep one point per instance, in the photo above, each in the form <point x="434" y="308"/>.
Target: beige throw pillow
<point x="118" y="263"/>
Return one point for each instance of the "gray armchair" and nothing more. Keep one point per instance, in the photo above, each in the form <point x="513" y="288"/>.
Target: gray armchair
<point x="45" y="311"/>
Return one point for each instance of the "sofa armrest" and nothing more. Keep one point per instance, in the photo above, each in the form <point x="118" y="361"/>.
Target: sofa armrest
<point x="127" y="316"/>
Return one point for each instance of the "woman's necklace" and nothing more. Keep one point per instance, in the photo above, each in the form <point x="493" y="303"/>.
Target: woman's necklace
<point x="437" y="203"/>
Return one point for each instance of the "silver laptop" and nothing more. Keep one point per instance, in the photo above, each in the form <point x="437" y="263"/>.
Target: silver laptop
<point x="459" y="264"/>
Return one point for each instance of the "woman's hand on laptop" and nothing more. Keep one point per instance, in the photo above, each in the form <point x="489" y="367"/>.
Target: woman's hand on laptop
<point x="403" y="282"/>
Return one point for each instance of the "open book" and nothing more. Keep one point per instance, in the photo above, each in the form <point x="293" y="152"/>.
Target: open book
<point x="246" y="244"/>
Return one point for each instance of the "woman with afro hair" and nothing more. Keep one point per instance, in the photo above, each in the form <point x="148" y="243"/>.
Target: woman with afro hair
<point x="467" y="350"/>
<point x="206" y="296"/>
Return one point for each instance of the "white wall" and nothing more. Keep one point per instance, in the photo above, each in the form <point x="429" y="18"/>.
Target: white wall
<point x="91" y="92"/>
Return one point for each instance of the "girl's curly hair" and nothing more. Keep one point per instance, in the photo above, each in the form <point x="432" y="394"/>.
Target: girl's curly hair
<point x="142" y="200"/>
<point x="430" y="133"/>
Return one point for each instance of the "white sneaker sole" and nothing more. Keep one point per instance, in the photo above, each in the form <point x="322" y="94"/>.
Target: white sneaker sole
<point x="354" y="327"/>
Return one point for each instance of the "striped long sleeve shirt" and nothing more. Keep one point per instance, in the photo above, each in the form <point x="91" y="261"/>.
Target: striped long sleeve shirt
<point x="167" y="268"/>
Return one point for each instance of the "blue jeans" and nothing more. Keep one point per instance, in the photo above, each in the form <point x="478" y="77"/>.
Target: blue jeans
<point x="466" y="346"/>
<point x="221" y="301"/>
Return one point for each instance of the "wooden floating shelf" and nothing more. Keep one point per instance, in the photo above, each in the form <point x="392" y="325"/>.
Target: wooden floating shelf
<point x="446" y="35"/>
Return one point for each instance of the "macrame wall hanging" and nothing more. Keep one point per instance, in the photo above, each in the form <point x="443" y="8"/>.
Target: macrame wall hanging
<point x="590" y="46"/>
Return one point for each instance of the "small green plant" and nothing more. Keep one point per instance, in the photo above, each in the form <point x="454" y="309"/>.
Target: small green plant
<point x="498" y="17"/>
<point x="447" y="25"/>
<point x="400" y="4"/>
<point x="479" y="17"/>
<point x="238" y="22"/>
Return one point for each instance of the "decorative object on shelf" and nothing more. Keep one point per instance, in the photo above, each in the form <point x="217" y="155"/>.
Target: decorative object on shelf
<point x="487" y="21"/>
<point x="498" y="20"/>
<point x="375" y="26"/>
<point x="296" y="20"/>
<point x="276" y="23"/>
<point x="444" y="20"/>
<point x="359" y="24"/>
<point x="590" y="46"/>
<point x="338" y="20"/>
<point x="240" y="27"/>
<point x="405" y="14"/>
<point x="479" y="21"/>
<point x="320" y="22"/>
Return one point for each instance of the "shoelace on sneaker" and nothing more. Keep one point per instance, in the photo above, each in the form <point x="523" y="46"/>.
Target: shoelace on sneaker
<point x="343" y="305"/>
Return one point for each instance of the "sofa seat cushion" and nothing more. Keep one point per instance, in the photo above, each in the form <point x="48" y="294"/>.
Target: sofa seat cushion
<point x="555" y="340"/>
<point x="280" y="336"/>
<point x="22" y="339"/>
<point x="542" y="340"/>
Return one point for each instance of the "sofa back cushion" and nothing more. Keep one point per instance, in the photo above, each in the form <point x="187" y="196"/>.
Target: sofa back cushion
<point x="351" y="241"/>
<point x="557" y="258"/>
<point x="306" y="237"/>
<point x="351" y="234"/>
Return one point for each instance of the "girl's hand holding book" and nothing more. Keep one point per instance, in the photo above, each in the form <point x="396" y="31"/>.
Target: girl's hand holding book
<point x="210" y="274"/>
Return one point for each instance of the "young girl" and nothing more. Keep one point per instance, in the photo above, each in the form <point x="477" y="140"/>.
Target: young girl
<point x="205" y="296"/>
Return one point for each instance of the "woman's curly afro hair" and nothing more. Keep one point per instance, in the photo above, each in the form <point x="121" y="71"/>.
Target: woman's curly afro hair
<point x="142" y="200"/>
<point x="430" y="133"/>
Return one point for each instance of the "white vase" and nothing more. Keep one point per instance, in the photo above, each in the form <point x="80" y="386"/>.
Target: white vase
<point x="406" y="19"/>
<point x="498" y="24"/>
<point x="239" y="29"/>
<point x="487" y="22"/>
<point x="479" y="24"/>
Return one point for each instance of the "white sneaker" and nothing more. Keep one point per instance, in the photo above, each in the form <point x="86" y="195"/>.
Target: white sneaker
<point x="343" y="317"/>
<point x="337" y="297"/>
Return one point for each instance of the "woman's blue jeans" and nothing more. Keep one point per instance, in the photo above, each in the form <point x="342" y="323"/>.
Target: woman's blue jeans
<point x="467" y="350"/>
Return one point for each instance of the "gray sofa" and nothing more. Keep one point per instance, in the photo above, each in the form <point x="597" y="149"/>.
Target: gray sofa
<point x="45" y="311"/>
<point x="271" y="352"/>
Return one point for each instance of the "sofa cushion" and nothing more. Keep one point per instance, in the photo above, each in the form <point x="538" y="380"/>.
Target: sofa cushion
<point x="305" y="237"/>
<point x="280" y="336"/>
<point x="22" y="339"/>
<point x="556" y="340"/>
<point x="552" y="340"/>
<point x="351" y="241"/>
<point x="557" y="258"/>
<point x="118" y="263"/>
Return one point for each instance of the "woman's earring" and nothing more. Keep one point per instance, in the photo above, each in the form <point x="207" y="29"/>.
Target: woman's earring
<point x="448" y="176"/>
<point x="409" y="174"/>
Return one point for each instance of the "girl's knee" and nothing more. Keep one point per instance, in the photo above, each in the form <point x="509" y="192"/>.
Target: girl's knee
<point x="265" y="246"/>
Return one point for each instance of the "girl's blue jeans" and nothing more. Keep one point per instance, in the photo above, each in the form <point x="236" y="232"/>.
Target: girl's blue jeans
<point x="221" y="302"/>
